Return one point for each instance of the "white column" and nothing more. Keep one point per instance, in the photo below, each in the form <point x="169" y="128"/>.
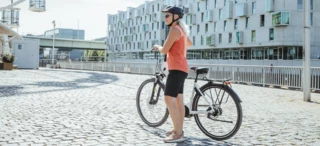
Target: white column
<point x="306" y="50"/>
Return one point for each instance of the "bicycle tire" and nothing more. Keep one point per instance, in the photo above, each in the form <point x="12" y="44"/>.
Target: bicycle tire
<point x="236" y="100"/>
<point x="144" y="119"/>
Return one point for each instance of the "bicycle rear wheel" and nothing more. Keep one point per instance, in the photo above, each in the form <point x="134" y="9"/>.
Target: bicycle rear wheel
<point x="227" y="118"/>
<point x="150" y="103"/>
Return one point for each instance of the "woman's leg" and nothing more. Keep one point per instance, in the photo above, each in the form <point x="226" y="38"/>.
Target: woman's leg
<point x="181" y="109"/>
<point x="174" y="112"/>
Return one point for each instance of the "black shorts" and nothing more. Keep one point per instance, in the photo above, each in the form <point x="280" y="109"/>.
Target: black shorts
<point x="175" y="83"/>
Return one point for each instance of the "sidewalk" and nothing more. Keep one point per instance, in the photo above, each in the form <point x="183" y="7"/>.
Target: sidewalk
<point x="55" y="107"/>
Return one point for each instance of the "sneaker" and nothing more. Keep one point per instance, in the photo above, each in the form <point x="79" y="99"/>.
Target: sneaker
<point x="174" y="137"/>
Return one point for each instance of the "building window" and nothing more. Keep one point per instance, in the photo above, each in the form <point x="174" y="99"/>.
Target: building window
<point x="155" y="35"/>
<point x="194" y="41"/>
<point x="311" y="18"/>
<point x="247" y="22"/>
<point x="190" y="27"/>
<point x="158" y="25"/>
<point x="215" y="26"/>
<point x="158" y="7"/>
<point x="253" y="7"/>
<point x="225" y="2"/>
<point x="198" y="6"/>
<point x="230" y="37"/>
<point x="220" y="38"/>
<point x="311" y="4"/>
<point x="235" y="24"/>
<point x="299" y="4"/>
<point x="225" y="26"/>
<point x="220" y="14"/>
<point x="198" y="28"/>
<point x="201" y="40"/>
<point x="207" y="28"/>
<point x="206" y="4"/>
<point x="271" y="34"/>
<point x="262" y="20"/>
<point x="162" y="24"/>
<point x="202" y="15"/>
<point x="215" y="3"/>
<point x="253" y="36"/>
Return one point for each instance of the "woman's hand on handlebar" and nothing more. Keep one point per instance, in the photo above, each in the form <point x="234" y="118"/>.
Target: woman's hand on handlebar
<point x="156" y="48"/>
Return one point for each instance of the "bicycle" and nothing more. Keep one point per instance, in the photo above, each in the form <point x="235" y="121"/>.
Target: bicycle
<point x="209" y="109"/>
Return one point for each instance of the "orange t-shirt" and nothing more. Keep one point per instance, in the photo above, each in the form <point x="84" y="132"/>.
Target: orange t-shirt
<point x="177" y="55"/>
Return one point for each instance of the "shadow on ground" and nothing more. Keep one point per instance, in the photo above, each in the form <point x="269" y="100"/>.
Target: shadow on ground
<point x="10" y="90"/>
<point x="96" y="78"/>
<point x="189" y="140"/>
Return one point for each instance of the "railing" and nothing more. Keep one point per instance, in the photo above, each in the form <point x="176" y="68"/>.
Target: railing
<point x="281" y="76"/>
<point x="44" y="62"/>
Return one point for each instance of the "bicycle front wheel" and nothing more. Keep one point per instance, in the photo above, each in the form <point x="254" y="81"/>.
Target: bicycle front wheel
<point x="150" y="103"/>
<point x="225" y="120"/>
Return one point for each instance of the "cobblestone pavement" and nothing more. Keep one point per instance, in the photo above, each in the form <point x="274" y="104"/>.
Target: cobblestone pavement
<point x="64" y="107"/>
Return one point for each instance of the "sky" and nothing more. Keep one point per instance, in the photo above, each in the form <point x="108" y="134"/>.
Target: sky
<point x="91" y="14"/>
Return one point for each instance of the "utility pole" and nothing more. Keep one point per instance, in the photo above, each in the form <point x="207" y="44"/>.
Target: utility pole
<point x="54" y="34"/>
<point x="306" y="52"/>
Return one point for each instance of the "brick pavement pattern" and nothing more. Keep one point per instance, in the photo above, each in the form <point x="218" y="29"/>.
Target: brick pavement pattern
<point x="70" y="107"/>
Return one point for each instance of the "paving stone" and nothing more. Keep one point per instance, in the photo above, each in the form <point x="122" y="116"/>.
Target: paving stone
<point x="64" y="107"/>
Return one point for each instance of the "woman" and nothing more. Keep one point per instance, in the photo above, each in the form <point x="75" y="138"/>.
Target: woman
<point x="175" y="47"/>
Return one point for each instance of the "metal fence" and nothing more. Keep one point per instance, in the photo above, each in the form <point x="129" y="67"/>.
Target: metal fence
<point x="281" y="76"/>
<point x="44" y="62"/>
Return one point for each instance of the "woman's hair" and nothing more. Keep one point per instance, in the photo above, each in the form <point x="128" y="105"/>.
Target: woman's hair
<point x="184" y="26"/>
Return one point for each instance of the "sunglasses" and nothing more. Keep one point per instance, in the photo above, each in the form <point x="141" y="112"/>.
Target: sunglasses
<point x="167" y="15"/>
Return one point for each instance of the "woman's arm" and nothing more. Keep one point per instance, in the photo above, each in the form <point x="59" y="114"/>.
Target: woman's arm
<point x="174" y="34"/>
<point x="189" y="43"/>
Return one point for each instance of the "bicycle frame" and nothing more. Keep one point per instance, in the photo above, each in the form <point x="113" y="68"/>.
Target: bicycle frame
<point x="196" y="90"/>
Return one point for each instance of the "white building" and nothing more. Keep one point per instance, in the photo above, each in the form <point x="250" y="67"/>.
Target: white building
<point x="222" y="31"/>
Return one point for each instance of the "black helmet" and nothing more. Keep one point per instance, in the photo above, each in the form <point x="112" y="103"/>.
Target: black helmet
<point x="174" y="10"/>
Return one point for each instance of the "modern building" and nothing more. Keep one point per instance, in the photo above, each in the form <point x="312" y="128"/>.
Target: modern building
<point x="222" y="31"/>
<point x="66" y="33"/>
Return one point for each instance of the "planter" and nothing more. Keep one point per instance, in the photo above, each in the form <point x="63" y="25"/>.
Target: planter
<point x="7" y="66"/>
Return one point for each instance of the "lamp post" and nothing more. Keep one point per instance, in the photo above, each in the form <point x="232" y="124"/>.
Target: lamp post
<point x="306" y="51"/>
<point x="54" y="34"/>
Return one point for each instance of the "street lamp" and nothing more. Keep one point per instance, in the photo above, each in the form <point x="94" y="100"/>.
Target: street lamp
<point x="54" y="34"/>
<point x="306" y="52"/>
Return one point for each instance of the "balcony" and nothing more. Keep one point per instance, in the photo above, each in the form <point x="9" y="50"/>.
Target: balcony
<point x="190" y="7"/>
<point x="155" y="42"/>
<point x="186" y="10"/>
<point x="239" y="37"/>
<point x="179" y="3"/>
<point x="128" y="38"/>
<point x="229" y="10"/>
<point x="129" y="13"/>
<point x="194" y="19"/>
<point x="154" y="17"/>
<point x="269" y="5"/>
<point x="146" y="8"/>
<point x="242" y="10"/>
<point x="210" y="40"/>
<point x="209" y="16"/>
<point x="280" y="18"/>
<point x="141" y="45"/>
<point x="125" y="24"/>
<point x="137" y="13"/>
<point x="145" y="28"/>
